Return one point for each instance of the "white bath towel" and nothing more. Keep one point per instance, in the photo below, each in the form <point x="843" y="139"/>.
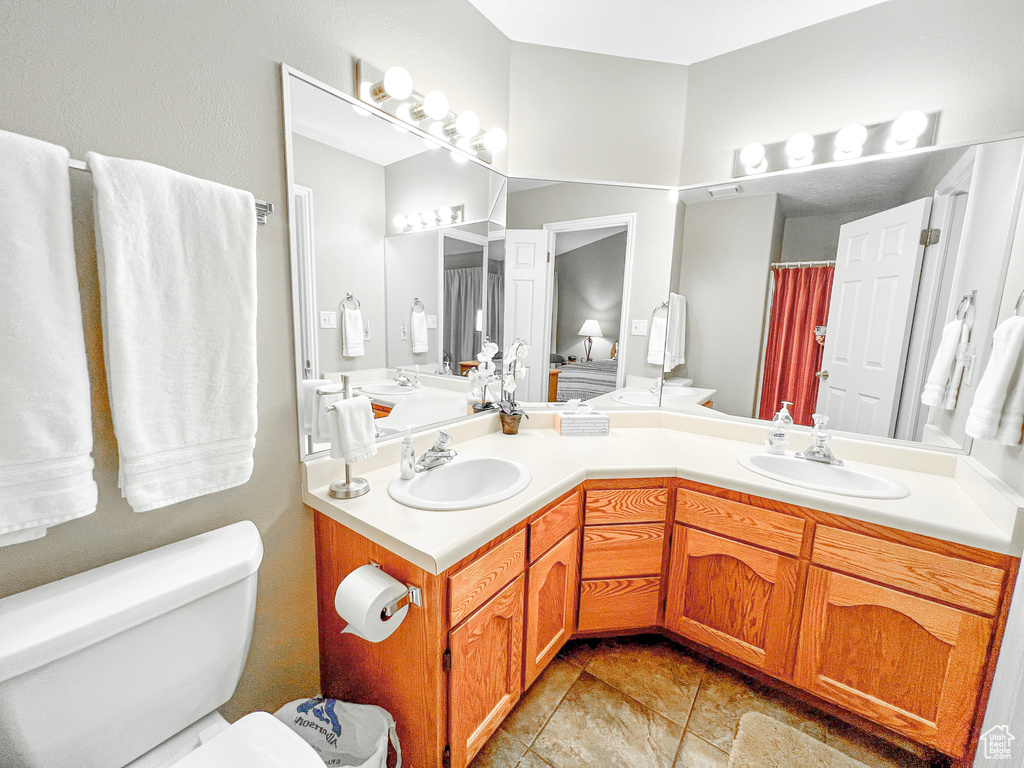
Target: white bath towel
<point x="309" y="387"/>
<point x="940" y="374"/>
<point x="418" y="324"/>
<point x="327" y="394"/>
<point x="656" y="341"/>
<point x="177" y="260"/>
<point x="675" y="336"/>
<point x="46" y="412"/>
<point x="953" y="387"/>
<point x="995" y="408"/>
<point x="351" y="332"/>
<point x="352" y="433"/>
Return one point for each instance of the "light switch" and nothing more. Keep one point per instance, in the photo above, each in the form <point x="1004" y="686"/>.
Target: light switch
<point x="366" y="331"/>
<point x="328" y="319"/>
<point x="405" y="332"/>
<point x="639" y="328"/>
<point x="431" y="321"/>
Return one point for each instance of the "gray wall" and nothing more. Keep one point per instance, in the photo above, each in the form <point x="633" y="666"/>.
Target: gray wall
<point x="590" y="287"/>
<point x="727" y="247"/>
<point x="413" y="267"/>
<point x="815" y="238"/>
<point x="348" y="240"/>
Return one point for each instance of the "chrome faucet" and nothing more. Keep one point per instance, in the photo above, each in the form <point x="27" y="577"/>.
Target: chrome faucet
<point x="438" y="454"/>
<point x="819" y="450"/>
<point x="401" y="379"/>
<point x="656" y="386"/>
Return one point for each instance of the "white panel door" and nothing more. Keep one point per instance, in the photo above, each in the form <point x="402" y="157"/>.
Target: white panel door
<point x="878" y="264"/>
<point x="526" y="305"/>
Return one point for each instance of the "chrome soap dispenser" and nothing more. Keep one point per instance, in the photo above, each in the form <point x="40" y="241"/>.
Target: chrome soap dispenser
<point x="406" y="467"/>
<point x="778" y="433"/>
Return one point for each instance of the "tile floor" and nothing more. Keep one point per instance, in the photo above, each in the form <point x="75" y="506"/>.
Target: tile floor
<point x="646" y="701"/>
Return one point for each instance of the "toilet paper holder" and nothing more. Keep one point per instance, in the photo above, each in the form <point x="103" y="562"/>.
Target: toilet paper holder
<point x="414" y="596"/>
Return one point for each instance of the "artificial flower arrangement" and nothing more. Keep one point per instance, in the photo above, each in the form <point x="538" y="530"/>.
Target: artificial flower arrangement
<point x="483" y="377"/>
<point x="513" y="369"/>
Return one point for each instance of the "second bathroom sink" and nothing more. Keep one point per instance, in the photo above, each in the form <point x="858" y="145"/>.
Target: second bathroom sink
<point x="845" y="480"/>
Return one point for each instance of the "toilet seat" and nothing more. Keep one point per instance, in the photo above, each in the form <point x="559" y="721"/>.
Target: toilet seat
<point x="258" y="740"/>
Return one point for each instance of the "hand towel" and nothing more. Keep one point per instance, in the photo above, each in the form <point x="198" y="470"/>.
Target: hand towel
<point x="675" y="340"/>
<point x="953" y="387"/>
<point x="989" y="411"/>
<point x="351" y="332"/>
<point x="419" y="332"/>
<point x="939" y="375"/>
<point x="46" y="417"/>
<point x="1011" y="420"/>
<point x="352" y="433"/>
<point x="656" y="341"/>
<point x="177" y="263"/>
<point x="309" y="387"/>
<point x="324" y="395"/>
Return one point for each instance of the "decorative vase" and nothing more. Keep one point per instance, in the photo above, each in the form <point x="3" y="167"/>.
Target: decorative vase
<point x="510" y="422"/>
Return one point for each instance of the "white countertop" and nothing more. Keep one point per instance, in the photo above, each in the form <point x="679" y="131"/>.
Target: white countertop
<point x="951" y="496"/>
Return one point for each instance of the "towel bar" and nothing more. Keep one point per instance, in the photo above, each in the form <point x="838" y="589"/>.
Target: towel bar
<point x="352" y="487"/>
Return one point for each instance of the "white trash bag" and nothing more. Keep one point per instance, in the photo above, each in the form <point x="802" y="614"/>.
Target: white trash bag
<point x="343" y="734"/>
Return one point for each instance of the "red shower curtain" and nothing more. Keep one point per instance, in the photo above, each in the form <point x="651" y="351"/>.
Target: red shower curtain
<point x="792" y="356"/>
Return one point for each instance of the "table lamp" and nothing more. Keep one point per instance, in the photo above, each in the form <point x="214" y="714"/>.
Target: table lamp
<point x="590" y="328"/>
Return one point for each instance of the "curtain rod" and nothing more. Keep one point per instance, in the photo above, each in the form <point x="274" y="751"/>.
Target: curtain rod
<point x="263" y="209"/>
<point x="798" y="264"/>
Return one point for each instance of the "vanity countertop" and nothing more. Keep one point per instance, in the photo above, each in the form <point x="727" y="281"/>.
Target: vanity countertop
<point x="951" y="496"/>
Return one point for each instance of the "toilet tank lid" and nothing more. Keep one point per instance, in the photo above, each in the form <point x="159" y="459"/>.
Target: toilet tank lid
<point x="43" y="624"/>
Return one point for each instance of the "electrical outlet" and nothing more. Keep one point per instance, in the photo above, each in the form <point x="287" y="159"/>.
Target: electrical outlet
<point x="639" y="328"/>
<point x="328" y="319"/>
<point x="366" y="331"/>
<point x="405" y="332"/>
<point x="431" y="321"/>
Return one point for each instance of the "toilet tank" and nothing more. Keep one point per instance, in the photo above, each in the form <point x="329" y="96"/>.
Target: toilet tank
<point x="100" y="667"/>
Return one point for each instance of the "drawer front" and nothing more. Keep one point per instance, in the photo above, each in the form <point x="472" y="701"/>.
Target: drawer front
<point x="548" y="529"/>
<point x="626" y="505"/>
<point x="968" y="585"/>
<point x="622" y="550"/>
<point x="753" y="525"/>
<point x="608" y="604"/>
<point x="475" y="584"/>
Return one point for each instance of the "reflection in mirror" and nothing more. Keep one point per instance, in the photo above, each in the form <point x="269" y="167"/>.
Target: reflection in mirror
<point x="831" y="288"/>
<point x="370" y="203"/>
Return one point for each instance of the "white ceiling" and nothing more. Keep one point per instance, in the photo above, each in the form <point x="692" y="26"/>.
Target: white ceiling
<point x="674" y="31"/>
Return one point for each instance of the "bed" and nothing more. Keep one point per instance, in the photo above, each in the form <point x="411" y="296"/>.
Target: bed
<point x="587" y="380"/>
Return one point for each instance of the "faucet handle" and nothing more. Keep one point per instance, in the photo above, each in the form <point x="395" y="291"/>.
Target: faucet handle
<point x="441" y="440"/>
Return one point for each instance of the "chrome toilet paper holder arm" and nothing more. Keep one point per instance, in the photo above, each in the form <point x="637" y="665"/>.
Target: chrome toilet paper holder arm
<point x="414" y="596"/>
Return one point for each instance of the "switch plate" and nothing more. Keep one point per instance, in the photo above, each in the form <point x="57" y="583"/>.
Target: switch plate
<point x="405" y="332"/>
<point x="328" y="319"/>
<point x="639" y="328"/>
<point x="366" y="331"/>
<point x="431" y="321"/>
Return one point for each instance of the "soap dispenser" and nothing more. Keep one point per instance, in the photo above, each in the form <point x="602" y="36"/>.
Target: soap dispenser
<point x="406" y="468"/>
<point x="778" y="434"/>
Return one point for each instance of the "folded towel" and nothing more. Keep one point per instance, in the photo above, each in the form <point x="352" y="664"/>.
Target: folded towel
<point x="1011" y="420"/>
<point x="656" y="341"/>
<point x="352" y="433"/>
<point x="675" y="337"/>
<point x="993" y="413"/>
<point x="324" y="395"/>
<point x="351" y="332"/>
<point x="419" y="332"/>
<point x="177" y="263"/>
<point x="953" y="387"/>
<point x="309" y="387"/>
<point x="940" y="374"/>
<point x="46" y="416"/>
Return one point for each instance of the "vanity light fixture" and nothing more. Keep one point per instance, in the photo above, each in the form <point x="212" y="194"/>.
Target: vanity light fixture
<point x="905" y="131"/>
<point x="849" y="142"/>
<point x="444" y="216"/>
<point x="396" y="84"/>
<point x="434" y="105"/>
<point x="800" y="149"/>
<point x="493" y="140"/>
<point x="465" y="125"/>
<point x="753" y="158"/>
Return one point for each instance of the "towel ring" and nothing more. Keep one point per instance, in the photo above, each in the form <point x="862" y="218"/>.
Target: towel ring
<point x="353" y="299"/>
<point x="965" y="304"/>
<point x="418" y="306"/>
<point x="1017" y="306"/>
<point x="657" y="309"/>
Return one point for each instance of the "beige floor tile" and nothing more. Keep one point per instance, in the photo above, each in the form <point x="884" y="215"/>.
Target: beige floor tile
<point x="539" y="702"/>
<point x="579" y="652"/>
<point x="500" y="751"/>
<point x="697" y="753"/>
<point x="596" y="725"/>
<point x="532" y="760"/>
<point x="655" y="672"/>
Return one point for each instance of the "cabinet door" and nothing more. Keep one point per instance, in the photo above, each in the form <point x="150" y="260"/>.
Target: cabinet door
<point x="486" y="677"/>
<point x="902" y="661"/>
<point x="551" y="604"/>
<point x="735" y="598"/>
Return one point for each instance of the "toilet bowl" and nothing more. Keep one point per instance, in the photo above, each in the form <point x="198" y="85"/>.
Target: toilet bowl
<point x="124" y="666"/>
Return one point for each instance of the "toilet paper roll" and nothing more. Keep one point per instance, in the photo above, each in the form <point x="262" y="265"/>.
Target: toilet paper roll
<point x="360" y="601"/>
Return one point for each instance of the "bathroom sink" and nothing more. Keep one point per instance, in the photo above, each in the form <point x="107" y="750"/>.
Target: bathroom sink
<point x="386" y="388"/>
<point x="463" y="483"/>
<point x="637" y="398"/>
<point x="845" y="480"/>
<point x="674" y="391"/>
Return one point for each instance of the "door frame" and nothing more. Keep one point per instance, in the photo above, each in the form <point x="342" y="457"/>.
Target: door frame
<point x="466" y="237"/>
<point x="597" y="222"/>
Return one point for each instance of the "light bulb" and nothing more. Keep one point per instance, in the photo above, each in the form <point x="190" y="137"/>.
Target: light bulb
<point x="908" y="127"/>
<point x="467" y="123"/>
<point x="434" y="105"/>
<point x="752" y="157"/>
<point x="850" y="141"/>
<point x="460" y="158"/>
<point x="414" y="220"/>
<point x="400" y="222"/>
<point x="404" y="112"/>
<point x="429" y="218"/>
<point x="495" y="140"/>
<point x="444" y="213"/>
<point x="800" y="149"/>
<point x="397" y="84"/>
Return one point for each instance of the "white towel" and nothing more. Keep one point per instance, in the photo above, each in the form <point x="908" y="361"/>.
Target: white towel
<point x="419" y="332"/>
<point x="326" y="394"/>
<point x="46" y="412"/>
<point x="656" y="341"/>
<point x="177" y="262"/>
<point x="953" y="387"/>
<point x="351" y="332"/>
<point x="998" y="408"/>
<point x="940" y="374"/>
<point x="675" y="341"/>
<point x="352" y="433"/>
<point x="309" y="387"/>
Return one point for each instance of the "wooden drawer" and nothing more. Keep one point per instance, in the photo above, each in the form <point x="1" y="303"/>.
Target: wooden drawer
<point x="475" y="584"/>
<point x="626" y="505"/>
<point x="622" y="550"/>
<point x="548" y="529"/>
<point x="608" y="604"/>
<point x="962" y="583"/>
<point x="754" y="525"/>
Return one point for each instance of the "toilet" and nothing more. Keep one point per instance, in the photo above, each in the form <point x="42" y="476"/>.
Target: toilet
<point x="126" y="664"/>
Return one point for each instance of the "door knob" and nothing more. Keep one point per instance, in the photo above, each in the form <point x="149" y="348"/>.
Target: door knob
<point x="822" y="374"/>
